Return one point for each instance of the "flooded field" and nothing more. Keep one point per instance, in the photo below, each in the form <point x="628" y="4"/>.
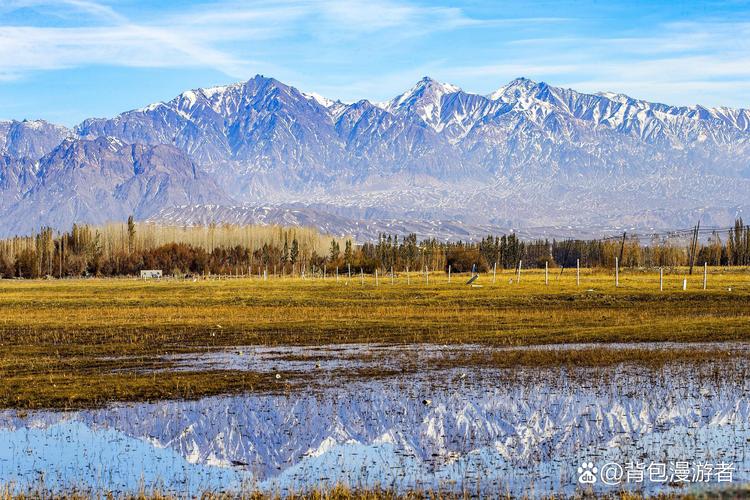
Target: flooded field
<point x="463" y="428"/>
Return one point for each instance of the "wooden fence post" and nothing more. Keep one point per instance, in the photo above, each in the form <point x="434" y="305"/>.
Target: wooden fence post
<point x="705" y="274"/>
<point x="661" y="279"/>
<point x="617" y="272"/>
<point x="518" y="278"/>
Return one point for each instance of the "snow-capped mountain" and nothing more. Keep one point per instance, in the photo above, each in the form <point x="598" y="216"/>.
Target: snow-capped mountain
<point x="528" y="155"/>
<point x="424" y="100"/>
<point x="30" y="139"/>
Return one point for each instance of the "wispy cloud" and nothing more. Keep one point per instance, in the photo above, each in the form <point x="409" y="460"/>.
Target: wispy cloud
<point x="353" y="49"/>
<point x="673" y="62"/>
<point x="200" y="36"/>
<point x="108" y="38"/>
<point x="709" y="59"/>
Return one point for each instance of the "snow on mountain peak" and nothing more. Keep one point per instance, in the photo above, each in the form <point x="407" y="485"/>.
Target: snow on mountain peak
<point x="500" y="148"/>
<point x="34" y="124"/>
<point x="190" y="97"/>
<point x="429" y="85"/>
<point x="211" y="92"/>
<point x="323" y="101"/>
<point x="150" y="107"/>
<point x="614" y="96"/>
<point x="424" y="98"/>
<point x="446" y="88"/>
<point x="513" y="90"/>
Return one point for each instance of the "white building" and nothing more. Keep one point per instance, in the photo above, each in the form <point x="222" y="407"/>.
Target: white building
<point x="151" y="274"/>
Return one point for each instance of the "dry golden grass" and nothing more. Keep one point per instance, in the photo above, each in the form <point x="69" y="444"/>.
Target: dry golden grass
<point x="58" y="338"/>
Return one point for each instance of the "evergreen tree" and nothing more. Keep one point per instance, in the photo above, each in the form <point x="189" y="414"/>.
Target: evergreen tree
<point x="265" y="255"/>
<point x="285" y="251"/>
<point x="348" y="252"/>
<point x="294" y="253"/>
<point x="410" y="250"/>
<point x="334" y="250"/>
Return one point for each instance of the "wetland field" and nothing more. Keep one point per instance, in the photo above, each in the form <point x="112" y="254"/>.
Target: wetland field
<point x="383" y="386"/>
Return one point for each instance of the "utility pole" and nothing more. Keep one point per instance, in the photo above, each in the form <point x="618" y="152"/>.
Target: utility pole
<point x="694" y="246"/>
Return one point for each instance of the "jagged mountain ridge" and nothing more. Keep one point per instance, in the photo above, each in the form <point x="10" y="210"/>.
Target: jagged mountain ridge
<point x="527" y="155"/>
<point x="238" y="122"/>
<point x="30" y="139"/>
<point x="104" y="179"/>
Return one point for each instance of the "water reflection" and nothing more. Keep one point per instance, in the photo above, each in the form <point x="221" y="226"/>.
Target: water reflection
<point x="494" y="431"/>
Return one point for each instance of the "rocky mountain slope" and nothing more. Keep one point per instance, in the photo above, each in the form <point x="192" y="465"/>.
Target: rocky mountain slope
<point x="526" y="156"/>
<point x="102" y="180"/>
<point x="30" y="139"/>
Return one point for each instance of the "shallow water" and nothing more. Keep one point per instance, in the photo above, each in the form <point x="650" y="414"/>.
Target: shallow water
<point x="302" y="359"/>
<point x="494" y="431"/>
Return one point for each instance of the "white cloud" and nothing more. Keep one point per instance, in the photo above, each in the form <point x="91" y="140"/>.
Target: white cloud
<point x="221" y="35"/>
<point x="682" y="60"/>
<point x="199" y="36"/>
<point x="25" y="49"/>
<point x="239" y="38"/>
<point x="106" y="38"/>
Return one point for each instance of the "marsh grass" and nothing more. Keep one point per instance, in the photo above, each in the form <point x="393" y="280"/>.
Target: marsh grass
<point x="73" y="390"/>
<point x="73" y="343"/>
<point x="341" y="492"/>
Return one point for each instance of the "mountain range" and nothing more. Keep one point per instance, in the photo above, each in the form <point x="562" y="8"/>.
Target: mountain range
<point x="436" y="160"/>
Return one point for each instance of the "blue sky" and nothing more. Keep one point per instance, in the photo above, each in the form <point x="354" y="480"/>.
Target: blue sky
<point x="65" y="60"/>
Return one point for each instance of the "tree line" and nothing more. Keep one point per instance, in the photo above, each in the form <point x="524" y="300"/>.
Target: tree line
<point x="126" y="249"/>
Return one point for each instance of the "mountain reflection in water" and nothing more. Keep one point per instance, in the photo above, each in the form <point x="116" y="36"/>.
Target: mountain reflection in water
<point x="496" y="431"/>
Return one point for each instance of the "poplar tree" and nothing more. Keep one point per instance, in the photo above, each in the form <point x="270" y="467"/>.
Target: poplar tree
<point x="131" y="234"/>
